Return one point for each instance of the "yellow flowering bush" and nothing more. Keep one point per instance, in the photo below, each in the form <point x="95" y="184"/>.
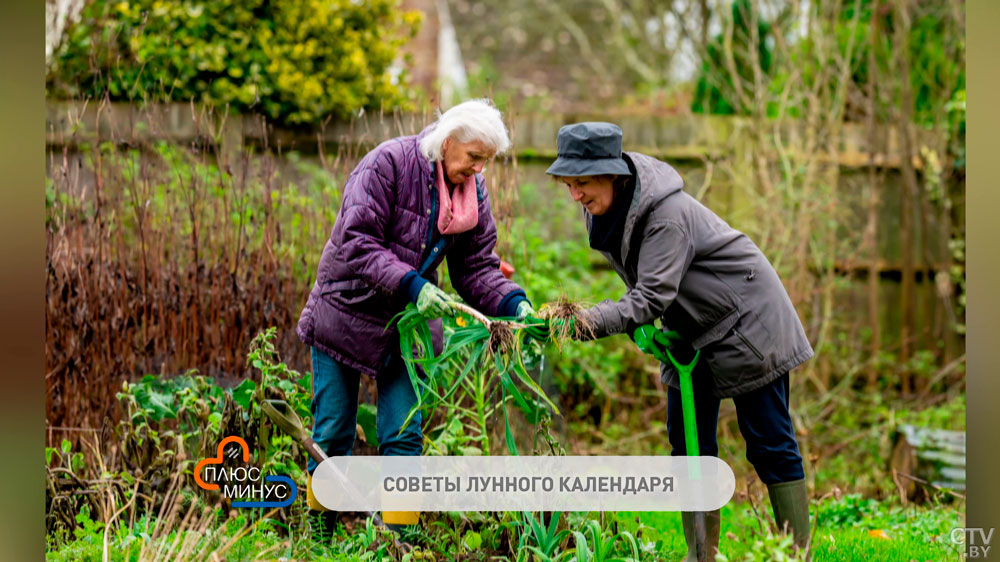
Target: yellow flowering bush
<point x="296" y="61"/>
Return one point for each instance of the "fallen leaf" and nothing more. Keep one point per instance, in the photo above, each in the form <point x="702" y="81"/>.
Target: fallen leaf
<point x="878" y="534"/>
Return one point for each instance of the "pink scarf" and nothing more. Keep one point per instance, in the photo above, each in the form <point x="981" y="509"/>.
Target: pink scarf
<point x="459" y="209"/>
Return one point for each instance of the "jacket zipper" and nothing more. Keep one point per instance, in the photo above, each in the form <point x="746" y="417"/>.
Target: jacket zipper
<point x="748" y="344"/>
<point x="423" y="264"/>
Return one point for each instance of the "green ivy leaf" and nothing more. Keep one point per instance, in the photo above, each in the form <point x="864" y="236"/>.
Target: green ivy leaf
<point x="77" y="462"/>
<point x="244" y="392"/>
<point x="286" y="386"/>
<point x="215" y="418"/>
<point x="158" y="405"/>
<point x="472" y="540"/>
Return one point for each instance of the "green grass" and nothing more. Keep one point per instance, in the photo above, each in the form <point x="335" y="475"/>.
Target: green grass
<point x="268" y="540"/>
<point x="842" y="546"/>
<point x="915" y="533"/>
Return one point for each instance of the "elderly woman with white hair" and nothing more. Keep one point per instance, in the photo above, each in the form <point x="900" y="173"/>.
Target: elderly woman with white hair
<point x="408" y="204"/>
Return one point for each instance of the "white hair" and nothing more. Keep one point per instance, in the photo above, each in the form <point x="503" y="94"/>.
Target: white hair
<point x="473" y="120"/>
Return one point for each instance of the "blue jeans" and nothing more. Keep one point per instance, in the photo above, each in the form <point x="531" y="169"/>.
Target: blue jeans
<point x="764" y="422"/>
<point x="335" y="409"/>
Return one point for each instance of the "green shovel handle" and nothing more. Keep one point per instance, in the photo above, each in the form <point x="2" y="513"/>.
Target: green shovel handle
<point x="687" y="403"/>
<point x="662" y="353"/>
<point x="661" y="350"/>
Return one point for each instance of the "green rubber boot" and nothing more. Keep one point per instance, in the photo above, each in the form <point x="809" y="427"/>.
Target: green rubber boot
<point x="713" y="522"/>
<point x="790" y="502"/>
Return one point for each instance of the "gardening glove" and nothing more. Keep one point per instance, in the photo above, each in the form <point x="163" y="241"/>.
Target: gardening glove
<point x="668" y="339"/>
<point x="432" y="302"/>
<point x="536" y="328"/>
<point x="524" y="310"/>
<point x="651" y="340"/>
<point x="644" y="337"/>
<point x="563" y="326"/>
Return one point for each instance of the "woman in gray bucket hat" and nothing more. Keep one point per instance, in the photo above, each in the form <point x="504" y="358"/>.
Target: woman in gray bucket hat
<point x="710" y="284"/>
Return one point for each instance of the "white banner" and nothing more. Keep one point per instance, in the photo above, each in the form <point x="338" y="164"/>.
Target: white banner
<point x="589" y="483"/>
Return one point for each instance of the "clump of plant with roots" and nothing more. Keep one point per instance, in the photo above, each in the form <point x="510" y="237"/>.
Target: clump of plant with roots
<point x="480" y="356"/>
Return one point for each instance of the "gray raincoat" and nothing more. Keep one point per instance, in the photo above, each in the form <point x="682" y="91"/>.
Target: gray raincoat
<point x="703" y="279"/>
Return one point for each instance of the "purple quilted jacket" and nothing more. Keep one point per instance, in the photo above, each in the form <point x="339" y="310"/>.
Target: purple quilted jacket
<point x="383" y="231"/>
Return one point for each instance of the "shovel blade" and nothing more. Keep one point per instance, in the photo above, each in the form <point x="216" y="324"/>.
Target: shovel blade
<point x="285" y="418"/>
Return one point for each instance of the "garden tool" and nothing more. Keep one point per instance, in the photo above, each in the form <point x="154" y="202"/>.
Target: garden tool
<point x="695" y="524"/>
<point x="285" y="418"/>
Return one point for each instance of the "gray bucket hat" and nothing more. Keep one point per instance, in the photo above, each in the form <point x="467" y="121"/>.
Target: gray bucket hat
<point x="589" y="149"/>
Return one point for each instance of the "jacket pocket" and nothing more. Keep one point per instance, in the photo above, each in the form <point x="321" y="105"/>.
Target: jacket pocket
<point x="754" y="336"/>
<point x="750" y="345"/>
<point x="718" y="330"/>
<point x="350" y="292"/>
<point x="744" y="354"/>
